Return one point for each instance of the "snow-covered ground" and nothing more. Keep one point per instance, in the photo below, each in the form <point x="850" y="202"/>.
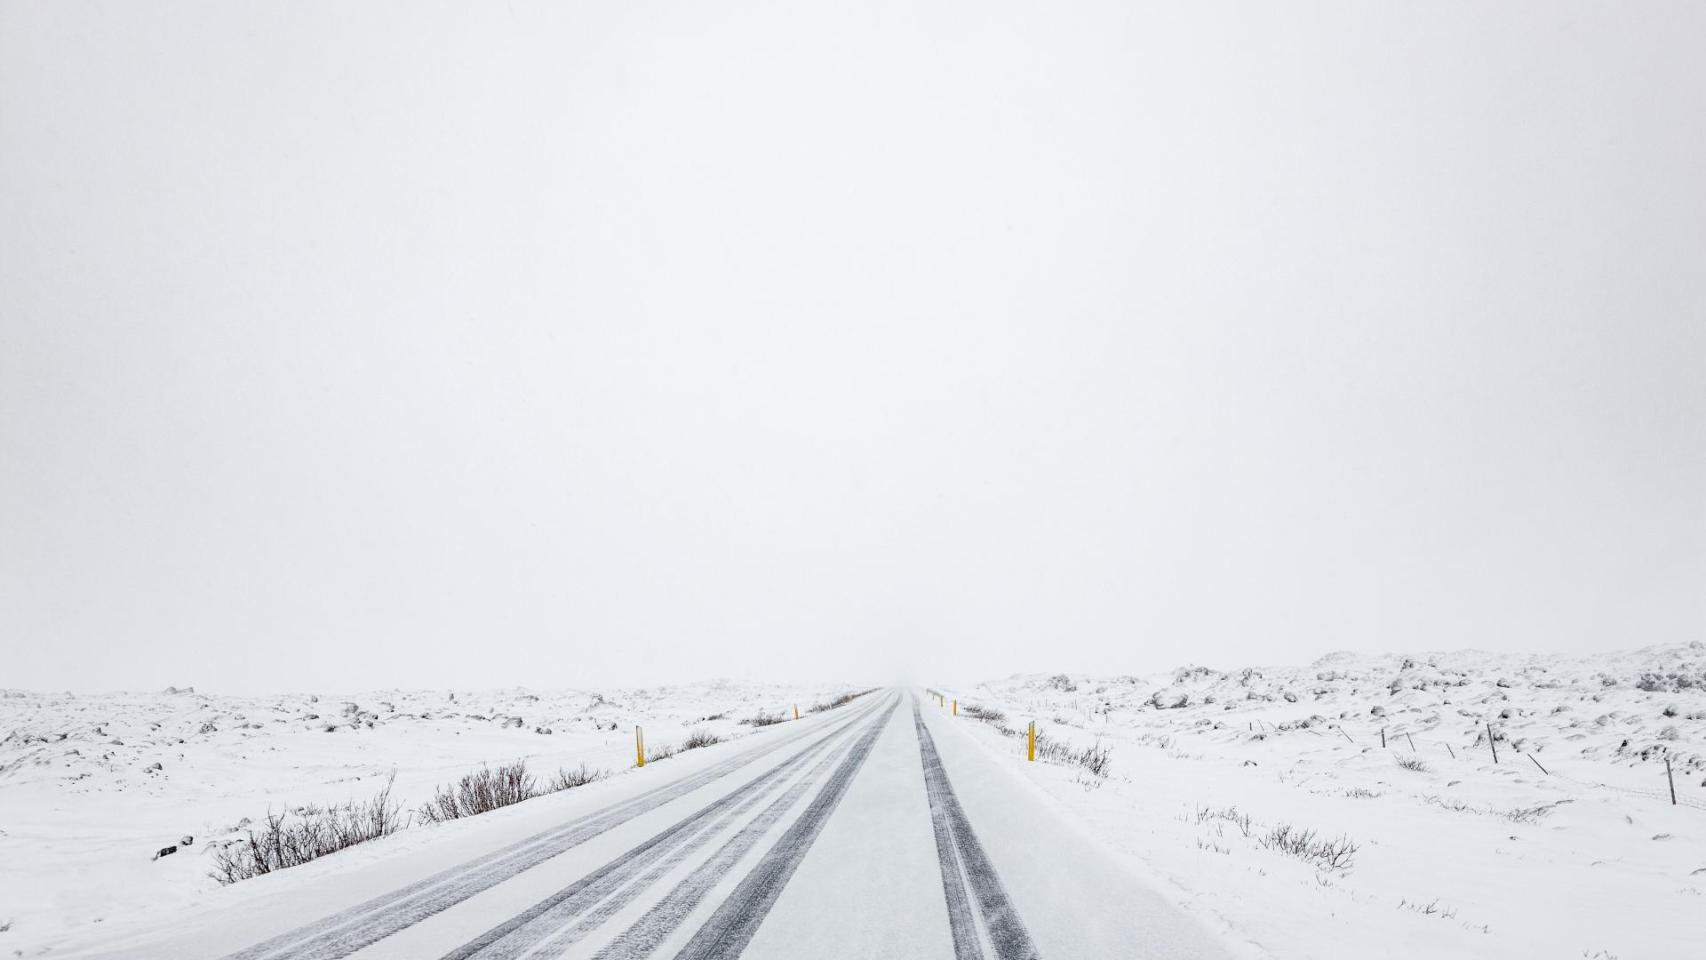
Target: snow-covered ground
<point x="1458" y="857"/>
<point x="1453" y="854"/>
<point x="92" y="785"/>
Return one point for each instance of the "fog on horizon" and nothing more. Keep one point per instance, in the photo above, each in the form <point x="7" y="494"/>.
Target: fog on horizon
<point x="367" y="345"/>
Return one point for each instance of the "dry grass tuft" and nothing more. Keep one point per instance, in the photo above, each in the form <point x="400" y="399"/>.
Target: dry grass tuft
<point x="1335" y="854"/>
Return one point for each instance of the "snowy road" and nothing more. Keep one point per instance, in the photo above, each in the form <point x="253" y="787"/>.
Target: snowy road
<point x="874" y="831"/>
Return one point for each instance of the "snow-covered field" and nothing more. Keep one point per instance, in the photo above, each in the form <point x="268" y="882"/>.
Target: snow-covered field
<point x="92" y="785"/>
<point x="1441" y="850"/>
<point x="1458" y="856"/>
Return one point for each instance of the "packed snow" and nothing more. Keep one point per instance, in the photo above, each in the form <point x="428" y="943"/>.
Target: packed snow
<point x="92" y="787"/>
<point x="1568" y="846"/>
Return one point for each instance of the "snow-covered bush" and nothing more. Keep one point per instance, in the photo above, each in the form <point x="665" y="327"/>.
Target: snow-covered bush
<point x="700" y="738"/>
<point x="482" y="791"/>
<point x="291" y="838"/>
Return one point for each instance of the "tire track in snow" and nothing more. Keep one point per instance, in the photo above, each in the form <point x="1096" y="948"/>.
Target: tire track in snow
<point x="349" y="930"/>
<point x="646" y="933"/>
<point x="550" y="924"/>
<point x="962" y="923"/>
<point x="731" y="927"/>
<point x="964" y="864"/>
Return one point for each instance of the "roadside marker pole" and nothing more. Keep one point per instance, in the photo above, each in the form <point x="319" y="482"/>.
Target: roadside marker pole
<point x="1031" y="743"/>
<point x="796" y="711"/>
<point x="956" y="706"/>
<point x="639" y="747"/>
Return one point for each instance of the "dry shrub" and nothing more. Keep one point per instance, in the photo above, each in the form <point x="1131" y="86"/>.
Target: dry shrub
<point x="700" y="738"/>
<point x="566" y="779"/>
<point x="482" y="791"/>
<point x="1334" y="854"/>
<point x="291" y="838"/>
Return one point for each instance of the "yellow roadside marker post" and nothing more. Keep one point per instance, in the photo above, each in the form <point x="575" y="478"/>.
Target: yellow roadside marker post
<point x="1031" y="742"/>
<point x="639" y="747"/>
<point x="956" y="706"/>
<point x="796" y="711"/>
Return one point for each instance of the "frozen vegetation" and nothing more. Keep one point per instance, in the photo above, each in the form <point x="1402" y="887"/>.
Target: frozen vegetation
<point x="134" y="807"/>
<point x="1354" y="804"/>
<point x="1350" y="805"/>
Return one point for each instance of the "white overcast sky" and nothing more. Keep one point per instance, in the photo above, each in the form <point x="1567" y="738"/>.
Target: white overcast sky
<point x="352" y="344"/>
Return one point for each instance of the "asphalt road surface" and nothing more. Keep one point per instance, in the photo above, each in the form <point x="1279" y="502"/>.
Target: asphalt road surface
<point x="879" y="830"/>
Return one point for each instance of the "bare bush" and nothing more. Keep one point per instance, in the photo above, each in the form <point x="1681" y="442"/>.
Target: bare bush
<point x="986" y="714"/>
<point x="1413" y="763"/>
<point x="308" y="833"/>
<point x="663" y="752"/>
<point x="1335" y="854"/>
<point x="764" y="718"/>
<point x="566" y="779"/>
<point x="482" y="791"/>
<point x="700" y="738"/>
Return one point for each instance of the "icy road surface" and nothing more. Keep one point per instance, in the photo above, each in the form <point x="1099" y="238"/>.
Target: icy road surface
<point x="879" y="831"/>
